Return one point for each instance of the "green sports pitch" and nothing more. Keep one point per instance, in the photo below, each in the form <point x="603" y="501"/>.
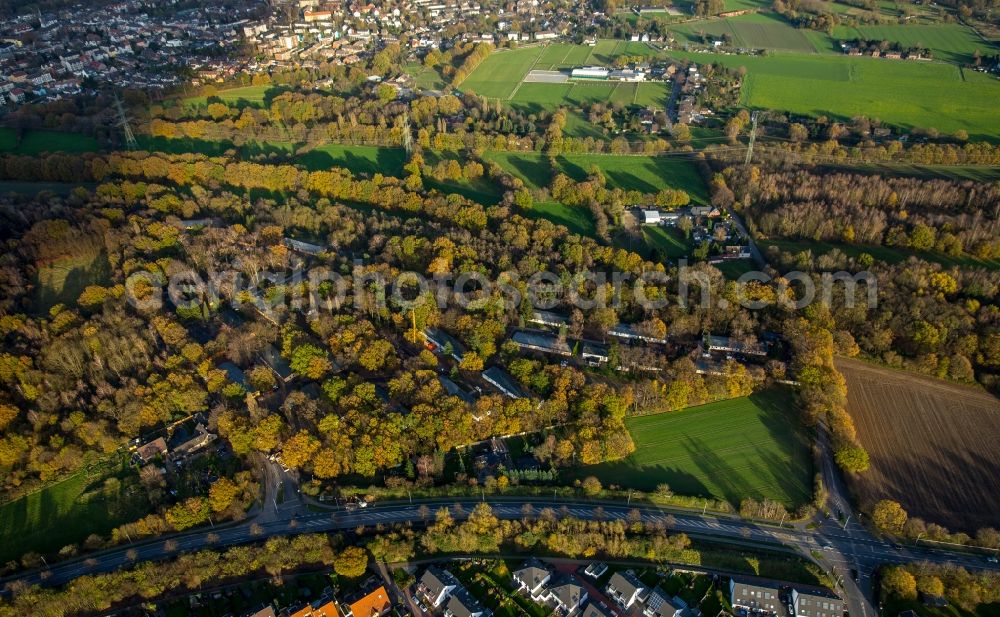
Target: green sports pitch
<point x="745" y="447"/>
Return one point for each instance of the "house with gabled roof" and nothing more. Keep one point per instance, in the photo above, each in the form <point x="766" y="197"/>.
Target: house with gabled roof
<point x="435" y="585"/>
<point x="626" y="589"/>
<point x="531" y="577"/>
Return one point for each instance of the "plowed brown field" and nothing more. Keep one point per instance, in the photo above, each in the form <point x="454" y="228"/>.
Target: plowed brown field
<point x="934" y="445"/>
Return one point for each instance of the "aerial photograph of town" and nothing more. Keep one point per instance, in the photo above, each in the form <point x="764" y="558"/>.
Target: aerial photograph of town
<point x="500" y="308"/>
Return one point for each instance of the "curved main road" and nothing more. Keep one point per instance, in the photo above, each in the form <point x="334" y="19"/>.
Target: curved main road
<point x="841" y="548"/>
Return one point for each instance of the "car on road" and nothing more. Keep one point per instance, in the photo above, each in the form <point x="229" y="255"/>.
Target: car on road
<point x="992" y="559"/>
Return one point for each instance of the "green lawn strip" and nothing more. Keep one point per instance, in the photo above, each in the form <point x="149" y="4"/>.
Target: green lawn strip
<point x="647" y="174"/>
<point x="64" y="279"/>
<point x="576" y="218"/>
<point x="887" y="254"/>
<point x="745" y="447"/>
<point x="368" y="160"/>
<point x="67" y="512"/>
<point x="669" y="241"/>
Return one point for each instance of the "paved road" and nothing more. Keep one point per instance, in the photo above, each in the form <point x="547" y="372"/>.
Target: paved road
<point x="840" y="548"/>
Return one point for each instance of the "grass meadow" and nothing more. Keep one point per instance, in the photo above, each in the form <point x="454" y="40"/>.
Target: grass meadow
<point x="37" y="142"/>
<point x="745" y="447"/>
<point x="647" y="174"/>
<point x="68" y="511"/>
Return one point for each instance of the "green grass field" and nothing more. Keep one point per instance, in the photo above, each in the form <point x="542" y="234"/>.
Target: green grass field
<point x="887" y="254"/>
<point x="247" y="95"/>
<point x="949" y="42"/>
<point x="36" y="142"/>
<point x="423" y="77"/>
<point x="63" y="280"/>
<point x="668" y="241"/>
<point x="499" y="74"/>
<point x="359" y="159"/>
<point x="576" y="219"/>
<point x="647" y="174"/>
<point x="67" y="512"/>
<point x="756" y="30"/>
<point x="745" y="447"/>
<point x="905" y="94"/>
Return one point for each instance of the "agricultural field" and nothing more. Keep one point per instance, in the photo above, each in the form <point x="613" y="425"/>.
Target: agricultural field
<point x="904" y="94"/>
<point x="647" y="174"/>
<point x="949" y="42"/>
<point x="745" y="447"/>
<point x="68" y="511"/>
<point x="933" y="445"/>
<point x="756" y="30"/>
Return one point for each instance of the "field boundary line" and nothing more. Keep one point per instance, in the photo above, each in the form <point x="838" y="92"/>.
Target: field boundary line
<point x="517" y="87"/>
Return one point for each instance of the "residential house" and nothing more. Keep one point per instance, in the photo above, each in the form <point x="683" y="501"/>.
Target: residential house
<point x="548" y="318"/>
<point x="625" y="589"/>
<point x="595" y="610"/>
<point x="816" y="602"/>
<point x="441" y="342"/>
<point x="661" y="604"/>
<point x="436" y="585"/>
<point x="502" y="381"/>
<point x="202" y="437"/>
<point x="753" y="594"/>
<point x="270" y="356"/>
<point x="541" y="341"/>
<point x="725" y="344"/>
<point x="374" y="604"/>
<point x="151" y="450"/>
<point x="462" y="604"/>
<point x="566" y="594"/>
<point x="595" y="354"/>
<point x="531" y="578"/>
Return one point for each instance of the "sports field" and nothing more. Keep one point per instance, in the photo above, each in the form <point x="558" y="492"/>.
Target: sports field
<point x="647" y="174"/>
<point x="745" y="447"/>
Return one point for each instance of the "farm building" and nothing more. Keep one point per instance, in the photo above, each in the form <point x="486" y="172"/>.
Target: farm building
<point x="627" y="75"/>
<point x="590" y="72"/>
<point x="651" y="217"/>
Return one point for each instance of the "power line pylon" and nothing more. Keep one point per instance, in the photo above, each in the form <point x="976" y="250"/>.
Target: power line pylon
<point x="753" y="138"/>
<point x="123" y="124"/>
